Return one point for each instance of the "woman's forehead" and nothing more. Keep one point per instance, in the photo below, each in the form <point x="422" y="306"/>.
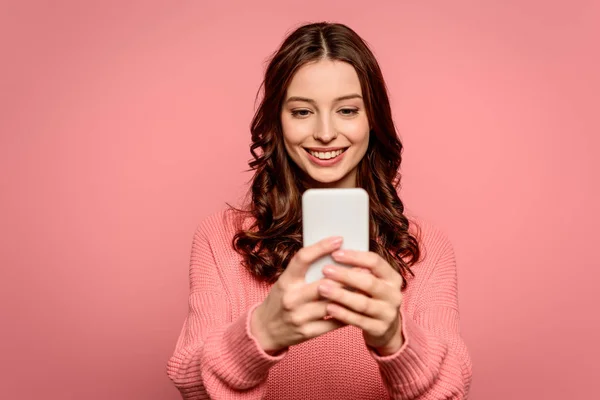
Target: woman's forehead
<point x="325" y="80"/>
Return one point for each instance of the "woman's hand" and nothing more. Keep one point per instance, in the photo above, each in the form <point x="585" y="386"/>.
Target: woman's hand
<point x="293" y="311"/>
<point x="377" y="309"/>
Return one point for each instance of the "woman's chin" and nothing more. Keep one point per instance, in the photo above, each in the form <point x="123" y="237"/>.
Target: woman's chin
<point x="328" y="180"/>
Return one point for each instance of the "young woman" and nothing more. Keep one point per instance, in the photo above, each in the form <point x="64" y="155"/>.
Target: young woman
<point x="255" y="329"/>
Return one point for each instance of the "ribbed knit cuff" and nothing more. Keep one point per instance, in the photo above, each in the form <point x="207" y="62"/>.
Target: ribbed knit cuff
<point x="409" y="366"/>
<point x="241" y="362"/>
<point x="280" y="355"/>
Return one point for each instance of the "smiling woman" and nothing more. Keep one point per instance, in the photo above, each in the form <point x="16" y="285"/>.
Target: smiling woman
<point x="386" y="326"/>
<point x="325" y="123"/>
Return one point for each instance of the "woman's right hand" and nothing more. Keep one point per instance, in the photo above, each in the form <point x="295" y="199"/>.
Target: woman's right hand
<point x="293" y="311"/>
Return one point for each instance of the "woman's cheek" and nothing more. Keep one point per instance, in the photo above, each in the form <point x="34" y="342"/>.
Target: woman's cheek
<point x="356" y="130"/>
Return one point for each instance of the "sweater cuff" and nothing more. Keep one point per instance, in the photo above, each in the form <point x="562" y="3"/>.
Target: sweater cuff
<point x="241" y="360"/>
<point x="266" y="356"/>
<point x="410" y="363"/>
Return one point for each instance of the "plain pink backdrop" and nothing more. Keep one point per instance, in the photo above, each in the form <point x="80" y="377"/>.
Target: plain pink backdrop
<point x="124" y="123"/>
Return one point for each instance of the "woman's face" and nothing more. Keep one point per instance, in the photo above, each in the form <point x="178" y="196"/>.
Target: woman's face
<point x="325" y="124"/>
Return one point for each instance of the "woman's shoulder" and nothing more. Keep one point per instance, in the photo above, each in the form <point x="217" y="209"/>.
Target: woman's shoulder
<point x="222" y="223"/>
<point x="433" y="241"/>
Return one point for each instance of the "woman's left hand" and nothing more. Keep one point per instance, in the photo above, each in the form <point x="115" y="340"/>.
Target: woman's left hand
<point x="377" y="309"/>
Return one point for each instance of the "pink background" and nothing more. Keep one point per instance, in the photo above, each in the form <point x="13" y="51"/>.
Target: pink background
<point x="124" y="123"/>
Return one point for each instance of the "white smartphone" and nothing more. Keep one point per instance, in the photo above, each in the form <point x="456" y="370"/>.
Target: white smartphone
<point x="334" y="212"/>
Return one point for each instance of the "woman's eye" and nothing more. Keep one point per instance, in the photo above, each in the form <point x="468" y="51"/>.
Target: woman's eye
<point x="348" y="111"/>
<point x="300" y="113"/>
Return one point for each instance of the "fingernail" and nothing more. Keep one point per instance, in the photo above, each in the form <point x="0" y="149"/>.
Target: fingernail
<point x="329" y="270"/>
<point x="325" y="289"/>
<point x="338" y="253"/>
<point x="336" y="241"/>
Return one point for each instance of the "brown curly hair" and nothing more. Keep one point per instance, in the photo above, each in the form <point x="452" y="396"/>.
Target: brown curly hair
<point x="274" y="207"/>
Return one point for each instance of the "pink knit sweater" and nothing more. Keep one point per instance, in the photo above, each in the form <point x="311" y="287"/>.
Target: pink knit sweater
<point x="216" y="356"/>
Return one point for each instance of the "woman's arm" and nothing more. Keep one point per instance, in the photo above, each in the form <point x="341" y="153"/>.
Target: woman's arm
<point x="433" y="363"/>
<point x="215" y="355"/>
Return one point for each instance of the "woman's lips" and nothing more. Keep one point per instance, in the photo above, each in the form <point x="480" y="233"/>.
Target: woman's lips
<point x="325" y="163"/>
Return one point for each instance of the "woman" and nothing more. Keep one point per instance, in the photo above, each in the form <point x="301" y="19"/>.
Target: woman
<point x="255" y="329"/>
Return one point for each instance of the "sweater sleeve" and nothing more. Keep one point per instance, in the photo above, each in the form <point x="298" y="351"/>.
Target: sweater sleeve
<point x="216" y="355"/>
<point x="433" y="362"/>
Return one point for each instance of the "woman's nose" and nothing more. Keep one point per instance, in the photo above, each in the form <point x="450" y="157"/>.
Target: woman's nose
<point x="325" y="132"/>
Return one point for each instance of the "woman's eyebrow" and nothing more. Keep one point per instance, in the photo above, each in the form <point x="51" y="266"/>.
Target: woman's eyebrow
<point x="306" y="99"/>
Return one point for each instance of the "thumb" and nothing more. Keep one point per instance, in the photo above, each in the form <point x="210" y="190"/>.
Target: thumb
<point x="303" y="259"/>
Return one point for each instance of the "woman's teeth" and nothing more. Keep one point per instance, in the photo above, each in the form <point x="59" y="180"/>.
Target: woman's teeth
<point x="326" y="155"/>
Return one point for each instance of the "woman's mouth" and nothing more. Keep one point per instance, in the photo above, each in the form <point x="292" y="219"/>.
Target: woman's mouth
<point x="326" y="157"/>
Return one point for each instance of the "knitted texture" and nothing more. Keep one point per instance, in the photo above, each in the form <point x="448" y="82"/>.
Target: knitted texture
<point x="216" y="356"/>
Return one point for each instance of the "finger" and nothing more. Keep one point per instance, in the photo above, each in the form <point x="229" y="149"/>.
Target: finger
<point x="318" y="328"/>
<point x="369" y="284"/>
<point x="302" y="260"/>
<point x="368" y="260"/>
<point x="370" y="325"/>
<point x="374" y="308"/>
<point x="360" y="270"/>
<point x="306" y="313"/>
<point x="305" y="294"/>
